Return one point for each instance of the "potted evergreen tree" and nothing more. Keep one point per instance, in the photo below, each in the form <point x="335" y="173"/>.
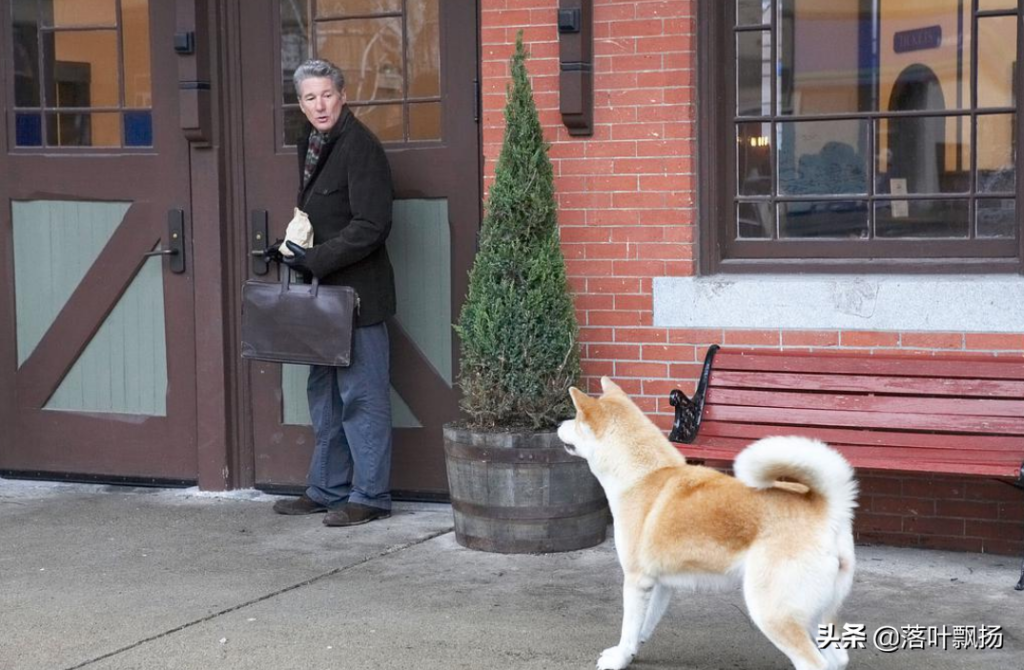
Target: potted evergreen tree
<point x="514" y="488"/>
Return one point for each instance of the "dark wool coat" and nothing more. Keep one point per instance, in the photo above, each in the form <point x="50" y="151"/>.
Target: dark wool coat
<point x="348" y="201"/>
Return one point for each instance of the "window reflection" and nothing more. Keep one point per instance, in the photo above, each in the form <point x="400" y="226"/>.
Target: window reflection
<point x="997" y="60"/>
<point x="93" y="66"/>
<point x="921" y="219"/>
<point x="389" y="52"/>
<point x="74" y="13"/>
<point x="822" y="157"/>
<point x="825" y="51"/>
<point x="877" y="100"/>
<point x="924" y="154"/>
<point x="369" y="52"/>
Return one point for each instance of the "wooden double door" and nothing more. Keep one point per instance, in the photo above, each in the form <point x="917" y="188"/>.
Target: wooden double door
<point x="100" y="342"/>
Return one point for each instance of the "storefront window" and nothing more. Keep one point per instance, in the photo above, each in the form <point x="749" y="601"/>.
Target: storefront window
<point x="81" y="73"/>
<point x="389" y="51"/>
<point x="878" y="131"/>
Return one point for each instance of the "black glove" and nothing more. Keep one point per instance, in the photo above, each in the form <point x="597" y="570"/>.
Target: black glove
<point x="298" y="261"/>
<point x="273" y="252"/>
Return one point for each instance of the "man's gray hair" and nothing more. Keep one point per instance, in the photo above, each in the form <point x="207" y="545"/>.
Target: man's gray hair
<point x="318" y="68"/>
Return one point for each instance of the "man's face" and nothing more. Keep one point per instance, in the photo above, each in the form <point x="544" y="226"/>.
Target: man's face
<point x="321" y="102"/>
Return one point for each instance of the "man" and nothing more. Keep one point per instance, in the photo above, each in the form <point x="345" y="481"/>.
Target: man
<point x="345" y="188"/>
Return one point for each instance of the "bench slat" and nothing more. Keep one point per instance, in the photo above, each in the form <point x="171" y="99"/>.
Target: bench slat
<point x="867" y="403"/>
<point x="974" y="367"/>
<point x="890" y="420"/>
<point x="896" y="385"/>
<point x="748" y="432"/>
<point x="912" y="454"/>
<point x="725" y="454"/>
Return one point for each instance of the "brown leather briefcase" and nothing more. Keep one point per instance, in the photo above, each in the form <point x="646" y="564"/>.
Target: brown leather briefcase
<point x="298" y="323"/>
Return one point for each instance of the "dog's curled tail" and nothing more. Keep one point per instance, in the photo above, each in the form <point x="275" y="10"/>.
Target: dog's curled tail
<point x="807" y="461"/>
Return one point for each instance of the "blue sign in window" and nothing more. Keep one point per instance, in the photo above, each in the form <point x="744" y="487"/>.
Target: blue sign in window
<point x="917" y="39"/>
<point x="138" y="129"/>
<point x="28" y="130"/>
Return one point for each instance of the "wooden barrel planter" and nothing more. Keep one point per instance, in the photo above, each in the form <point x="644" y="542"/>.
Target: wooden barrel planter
<point x="521" y="493"/>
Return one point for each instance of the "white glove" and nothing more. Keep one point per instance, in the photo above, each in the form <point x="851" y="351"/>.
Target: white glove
<point x="299" y="231"/>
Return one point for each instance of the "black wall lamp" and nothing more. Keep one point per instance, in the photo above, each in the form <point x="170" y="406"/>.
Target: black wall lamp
<point x="576" y="65"/>
<point x="192" y="45"/>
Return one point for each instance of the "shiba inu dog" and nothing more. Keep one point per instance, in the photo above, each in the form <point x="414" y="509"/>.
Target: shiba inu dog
<point x="781" y="527"/>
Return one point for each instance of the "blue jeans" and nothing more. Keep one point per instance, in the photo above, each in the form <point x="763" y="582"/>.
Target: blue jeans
<point x="351" y="412"/>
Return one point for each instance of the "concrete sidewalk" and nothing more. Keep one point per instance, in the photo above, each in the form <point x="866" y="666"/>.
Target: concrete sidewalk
<point x="115" y="578"/>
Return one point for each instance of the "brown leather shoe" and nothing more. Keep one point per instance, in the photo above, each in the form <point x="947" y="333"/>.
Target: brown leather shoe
<point x="353" y="514"/>
<point x="301" y="505"/>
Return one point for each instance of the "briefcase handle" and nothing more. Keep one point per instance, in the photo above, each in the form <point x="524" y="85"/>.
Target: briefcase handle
<point x="286" y="280"/>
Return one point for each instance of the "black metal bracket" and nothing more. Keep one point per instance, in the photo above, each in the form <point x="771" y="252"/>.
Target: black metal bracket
<point x="689" y="411"/>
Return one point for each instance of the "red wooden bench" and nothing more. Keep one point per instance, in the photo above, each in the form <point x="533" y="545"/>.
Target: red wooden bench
<point x="951" y="415"/>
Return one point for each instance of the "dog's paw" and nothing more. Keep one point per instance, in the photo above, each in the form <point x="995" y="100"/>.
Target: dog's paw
<point x="614" y="658"/>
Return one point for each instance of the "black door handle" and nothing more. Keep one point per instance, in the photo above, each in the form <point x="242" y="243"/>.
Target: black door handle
<point x="258" y="236"/>
<point x="175" y="250"/>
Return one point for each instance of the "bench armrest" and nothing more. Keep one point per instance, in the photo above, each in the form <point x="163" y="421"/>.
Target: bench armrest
<point x="689" y="411"/>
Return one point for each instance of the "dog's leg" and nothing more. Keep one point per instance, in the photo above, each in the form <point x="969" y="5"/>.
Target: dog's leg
<point x="660" y="598"/>
<point x="838" y="657"/>
<point x="636" y="595"/>
<point x="793" y="640"/>
<point x="786" y="601"/>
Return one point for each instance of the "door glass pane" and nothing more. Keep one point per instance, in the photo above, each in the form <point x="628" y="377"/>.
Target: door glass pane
<point x="986" y="5"/>
<point x="138" y="129"/>
<point x="81" y="69"/>
<point x="69" y="13"/>
<point x="824" y="51"/>
<point x="826" y="219"/>
<point x="425" y="121"/>
<point x="753" y="12"/>
<point x="422" y="24"/>
<point x="369" y="52"/>
<point x="822" y="157"/>
<point x="294" y="44"/>
<point x="384" y="120"/>
<point x="928" y="154"/>
<point x="138" y="88"/>
<point x="997" y="60"/>
<point x="294" y="124"/>
<point x="96" y="56"/>
<point x="26" y="53"/>
<point x="101" y="129"/>
<point x="754" y="158"/>
<point x="754" y="82"/>
<point x="996" y="218"/>
<point x="28" y="130"/>
<point x="921" y="219"/>
<point x="388" y="50"/>
<point x="326" y="8"/>
<point x="996" y="153"/>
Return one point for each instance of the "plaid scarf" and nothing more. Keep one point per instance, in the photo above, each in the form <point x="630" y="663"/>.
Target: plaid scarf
<point x="316" y="143"/>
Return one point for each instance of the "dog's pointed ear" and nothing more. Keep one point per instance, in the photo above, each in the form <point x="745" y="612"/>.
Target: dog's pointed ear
<point x="581" y="400"/>
<point x="607" y="385"/>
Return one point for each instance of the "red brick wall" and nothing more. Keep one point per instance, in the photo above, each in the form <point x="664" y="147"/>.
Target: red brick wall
<point x="941" y="512"/>
<point x="627" y="214"/>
